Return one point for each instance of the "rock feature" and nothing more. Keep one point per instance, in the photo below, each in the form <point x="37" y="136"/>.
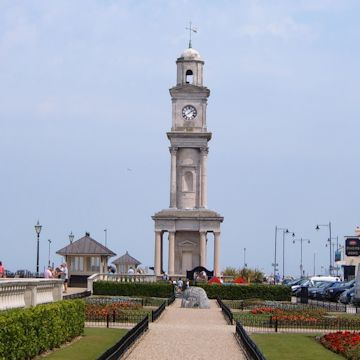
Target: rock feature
<point x="195" y="297"/>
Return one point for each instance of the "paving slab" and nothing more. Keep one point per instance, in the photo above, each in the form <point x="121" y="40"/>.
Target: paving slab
<point x="193" y="334"/>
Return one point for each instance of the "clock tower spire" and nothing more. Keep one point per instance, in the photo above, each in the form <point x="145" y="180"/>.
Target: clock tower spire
<point x="188" y="220"/>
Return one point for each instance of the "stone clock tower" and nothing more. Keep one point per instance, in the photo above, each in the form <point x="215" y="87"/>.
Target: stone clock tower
<point x="188" y="220"/>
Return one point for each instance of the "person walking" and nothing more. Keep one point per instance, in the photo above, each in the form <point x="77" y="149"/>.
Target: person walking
<point x="65" y="276"/>
<point x="2" y="270"/>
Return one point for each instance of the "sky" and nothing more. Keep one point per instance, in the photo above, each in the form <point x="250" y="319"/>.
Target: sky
<point x="85" y="107"/>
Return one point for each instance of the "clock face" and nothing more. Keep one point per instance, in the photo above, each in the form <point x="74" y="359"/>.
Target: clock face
<point x="189" y="112"/>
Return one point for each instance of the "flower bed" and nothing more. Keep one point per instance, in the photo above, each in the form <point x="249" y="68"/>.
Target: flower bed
<point x="267" y="316"/>
<point x="345" y="343"/>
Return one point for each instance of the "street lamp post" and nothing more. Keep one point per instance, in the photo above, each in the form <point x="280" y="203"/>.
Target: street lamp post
<point x="49" y="252"/>
<point x="275" y="264"/>
<point x="301" y="258"/>
<point x="329" y="240"/>
<point x="105" y="231"/>
<point x="245" y="264"/>
<point x="71" y="237"/>
<point x="38" y="230"/>
<point x="293" y="235"/>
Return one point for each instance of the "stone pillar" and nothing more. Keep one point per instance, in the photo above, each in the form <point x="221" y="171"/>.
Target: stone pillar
<point x="217" y="254"/>
<point x="171" y="258"/>
<point x="157" y="263"/>
<point x="173" y="151"/>
<point x="203" y="172"/>
<point x="203" y="249"/>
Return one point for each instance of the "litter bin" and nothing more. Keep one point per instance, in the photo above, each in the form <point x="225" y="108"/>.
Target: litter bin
<point x="304" y="295"/>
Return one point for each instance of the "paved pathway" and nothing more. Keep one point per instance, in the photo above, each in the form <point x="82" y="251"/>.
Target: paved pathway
<point x="188" y="334"/>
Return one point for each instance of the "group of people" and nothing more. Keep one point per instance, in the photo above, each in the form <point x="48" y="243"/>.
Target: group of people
<point x="180" y="285"/>
<point x="60" y="272"/>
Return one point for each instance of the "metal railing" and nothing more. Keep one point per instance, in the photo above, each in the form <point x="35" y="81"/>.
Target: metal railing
<point x="171" y="300"/>
<point x="155" y="314"/>
<point x="274" y="324"/>
<point x="226" y="311"/>
<point x="116" y="351"/>
<point x="116" y="319"/>
<point x="248" y="344"/>
<point x="81" y="295"/>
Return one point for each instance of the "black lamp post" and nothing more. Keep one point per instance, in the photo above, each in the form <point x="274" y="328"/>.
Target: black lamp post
<point x="329" y="240"/>
<point x="275" y="264"/>
<point x="245" y="264"/>
<point x="38" y="230"/>
<point x="71" y="237"/>
<point x="301" y="258"/>
<point x="49" y="252"/>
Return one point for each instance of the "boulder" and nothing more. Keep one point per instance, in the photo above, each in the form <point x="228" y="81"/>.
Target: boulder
<point x="195" y="297"/>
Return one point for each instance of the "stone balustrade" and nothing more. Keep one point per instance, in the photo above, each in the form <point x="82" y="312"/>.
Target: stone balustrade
<point x="137" y="278"/>
<point x="15" y="293"/>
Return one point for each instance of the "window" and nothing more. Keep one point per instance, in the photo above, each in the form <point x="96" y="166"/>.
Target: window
<point x="77" y="264"/>
<point x="188" y="182"/>
<point x="189" y="77"/>
<point x="95" y="264"/>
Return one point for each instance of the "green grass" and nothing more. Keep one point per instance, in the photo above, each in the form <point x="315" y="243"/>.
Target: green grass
<point x="292" y="347"/>
<point x="94" y="342"/>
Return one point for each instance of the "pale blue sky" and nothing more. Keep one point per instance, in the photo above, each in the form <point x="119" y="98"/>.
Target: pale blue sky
<point x="84" y="96"/>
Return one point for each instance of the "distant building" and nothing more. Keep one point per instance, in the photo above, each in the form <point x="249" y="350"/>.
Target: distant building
<point x="351" y="258"/>
<point x="124" y="262"/>
<point x="85" y="257"/>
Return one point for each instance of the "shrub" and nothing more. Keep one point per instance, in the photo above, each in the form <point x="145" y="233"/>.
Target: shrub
<point x="162" y="290"/>
<point x="239" y="292"/>
<point x="25" y="333"/>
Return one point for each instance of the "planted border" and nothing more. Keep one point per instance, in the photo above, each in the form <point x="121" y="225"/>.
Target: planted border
<point x="258" y="291"/>
<point x="133" y="289"/>
<point x="25" y="333"/>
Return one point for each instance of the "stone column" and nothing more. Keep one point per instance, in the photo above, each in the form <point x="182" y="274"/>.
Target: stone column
<point x="173" y="151"/>
<point x="203" y="181"/>
<point x="217" y="254"/>
<point x="157" y="263"/>
<point x="203" y="249"/>
<point x="171" y="267"/>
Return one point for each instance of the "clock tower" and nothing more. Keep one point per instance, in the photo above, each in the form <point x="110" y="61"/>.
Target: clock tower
<point x="188" y="221"/>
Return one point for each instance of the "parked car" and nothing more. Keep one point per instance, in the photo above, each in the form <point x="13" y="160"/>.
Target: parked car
<point x="320" y="294"/>
<point x="317" y="288"/>
<point x="334" y="293"/>
<point x="347" y="295"/>
<point x="9" y="274"/>
<point x="24" y="273"/>
<point x="298" y="284"/>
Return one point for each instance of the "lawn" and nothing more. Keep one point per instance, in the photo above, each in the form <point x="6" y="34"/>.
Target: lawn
<point x="292" y="347"/>
<point x="94" y="342"/>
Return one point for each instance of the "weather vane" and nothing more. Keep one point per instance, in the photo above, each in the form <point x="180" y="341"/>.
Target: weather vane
<point x="191" y="30"/>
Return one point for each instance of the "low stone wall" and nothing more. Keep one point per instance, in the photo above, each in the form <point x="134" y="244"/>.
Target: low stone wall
<point x="15" y="293"/>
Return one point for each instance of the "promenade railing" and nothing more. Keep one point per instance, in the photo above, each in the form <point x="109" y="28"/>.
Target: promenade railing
<point x="116" y="351"/>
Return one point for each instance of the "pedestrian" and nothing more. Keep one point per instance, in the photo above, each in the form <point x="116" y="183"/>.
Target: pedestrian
<point x="48" y="273"/>
<point x="131" y="271"/>
<point x="2" y="270"/>
<point x="65" y="276"/>
<point x="180" y="284"/>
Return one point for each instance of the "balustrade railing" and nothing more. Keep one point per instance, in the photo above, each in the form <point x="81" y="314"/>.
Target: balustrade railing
<point x="17" y="293"/>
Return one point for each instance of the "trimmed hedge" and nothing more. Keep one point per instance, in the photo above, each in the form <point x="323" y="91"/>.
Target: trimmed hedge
<point x="239" y="292"/>
<point x="25" y="333"/>
<point x="162" y="290"/>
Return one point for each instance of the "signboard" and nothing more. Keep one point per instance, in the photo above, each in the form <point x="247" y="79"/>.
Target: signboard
<point x="337" y="255"/>
<point x="352" y="246"/>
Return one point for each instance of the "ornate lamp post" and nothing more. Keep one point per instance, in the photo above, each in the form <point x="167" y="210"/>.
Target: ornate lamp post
<point x="275" y="264"/>
<point x="245" y="264"/>
<point x="329" y="240"/>
<point x="301" y="245"/>
<point x="38" y="230"/>
<point x="49" y="252"/>
<point x="71" y="237"/>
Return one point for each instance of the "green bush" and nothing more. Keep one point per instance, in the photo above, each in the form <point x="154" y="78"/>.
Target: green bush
<point x="25" y="333"/>
<point x="256" y="291"/>
<point x="162" y="290"/>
